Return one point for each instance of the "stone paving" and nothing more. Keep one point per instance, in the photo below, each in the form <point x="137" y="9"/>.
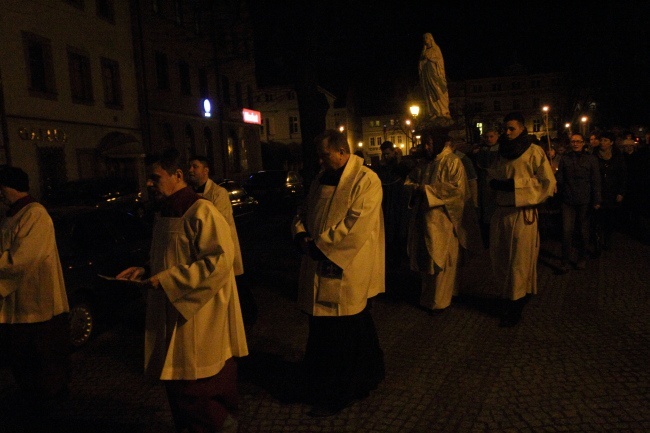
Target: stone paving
<point x="578" y="362"/>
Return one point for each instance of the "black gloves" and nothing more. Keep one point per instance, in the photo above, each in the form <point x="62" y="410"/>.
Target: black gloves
<point x="507" y="185"/>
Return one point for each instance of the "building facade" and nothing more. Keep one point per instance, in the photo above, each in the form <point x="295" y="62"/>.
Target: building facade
<point x="482" y="103"/>
<point x="281" y="117"/>
<point x="399" y="130"/>
<point x="87" y="87"/>
<point x="68" y="105"/>
<point x="197" y="75"/>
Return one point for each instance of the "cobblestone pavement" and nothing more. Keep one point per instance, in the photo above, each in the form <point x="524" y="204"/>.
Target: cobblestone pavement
<point x="578" y="362"/>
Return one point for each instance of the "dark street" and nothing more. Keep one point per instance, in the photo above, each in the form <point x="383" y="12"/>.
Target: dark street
<point x="577" y="362"/>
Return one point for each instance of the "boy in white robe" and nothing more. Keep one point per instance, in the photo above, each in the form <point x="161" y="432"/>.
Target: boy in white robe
<point x="194" y="326"/>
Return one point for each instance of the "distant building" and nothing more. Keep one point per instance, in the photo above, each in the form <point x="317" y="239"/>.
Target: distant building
<point x="197" y="68"/>
<point x="68" y="93"/>
<point x="281" y="116"/>
<point x="88" y="87"/>
<point x="483" y="102"/>
<point x="388" y="127"/>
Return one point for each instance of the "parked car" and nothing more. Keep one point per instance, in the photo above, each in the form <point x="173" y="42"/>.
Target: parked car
<point x="98" y="192"/>
<point x="276" y="187"/>
<point x="94" y="242"/>
<point x="243" y="204"/>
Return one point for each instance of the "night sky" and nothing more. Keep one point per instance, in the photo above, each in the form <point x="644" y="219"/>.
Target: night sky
<point x="368" y="46"/>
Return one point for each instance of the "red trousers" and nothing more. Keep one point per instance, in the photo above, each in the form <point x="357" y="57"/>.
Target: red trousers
<point x="203" y="405"/>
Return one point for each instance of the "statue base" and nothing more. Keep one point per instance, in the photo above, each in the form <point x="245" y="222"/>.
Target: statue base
<point x="457" y="132"/>
<point x="438" y="122"/>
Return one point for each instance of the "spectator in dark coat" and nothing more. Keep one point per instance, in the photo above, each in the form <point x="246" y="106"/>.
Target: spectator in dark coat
<point x="613" y="182"/>
<point x="578" y="180"/>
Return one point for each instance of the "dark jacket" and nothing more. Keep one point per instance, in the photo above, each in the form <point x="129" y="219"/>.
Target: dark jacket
<point x="613" y="178"/>
<point x="578" y="179"/>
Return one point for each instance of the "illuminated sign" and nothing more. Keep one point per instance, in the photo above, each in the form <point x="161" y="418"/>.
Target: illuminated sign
<point x="40" y="134"/>
<point x="252" y="116"/>
<point x="207" y="108"/>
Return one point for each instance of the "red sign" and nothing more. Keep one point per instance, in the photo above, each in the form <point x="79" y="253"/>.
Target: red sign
<point x="252" y="116"/>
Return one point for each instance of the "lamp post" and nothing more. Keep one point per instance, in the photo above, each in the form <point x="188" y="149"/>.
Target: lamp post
<point x="415" y="110"/>
<point x="545" y="110"/>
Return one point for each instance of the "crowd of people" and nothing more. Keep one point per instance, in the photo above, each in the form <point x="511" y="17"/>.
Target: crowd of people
<point x="606" y="171"/>
<point x="520" y="184"/>
<point x="432" y="210"/>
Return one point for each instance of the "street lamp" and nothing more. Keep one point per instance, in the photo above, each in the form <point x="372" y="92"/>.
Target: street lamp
<point x="415" y="110"/>
<point x="584" y="122"/>
<point x="546" y="109"/>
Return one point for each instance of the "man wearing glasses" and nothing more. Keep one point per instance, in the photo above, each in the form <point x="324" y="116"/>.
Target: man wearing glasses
<point x="578" y="180"/>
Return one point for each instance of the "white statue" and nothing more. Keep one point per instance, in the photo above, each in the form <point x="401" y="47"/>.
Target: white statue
<point x="433" y="79"/>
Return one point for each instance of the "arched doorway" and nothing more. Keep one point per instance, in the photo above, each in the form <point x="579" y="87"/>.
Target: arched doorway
<point x="121" y="155"/>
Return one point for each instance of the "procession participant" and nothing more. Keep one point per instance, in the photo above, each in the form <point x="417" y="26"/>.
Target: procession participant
<point x="199" y="180"/>
<point x="440" y="192"/>
<point x="522" y="178"/>
<point x="194" y="326"/>
<point x="341" y="234"/>
<point x="34" y="329"/>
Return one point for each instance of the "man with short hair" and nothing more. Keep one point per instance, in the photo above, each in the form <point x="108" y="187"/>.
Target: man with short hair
<point x="199" y="180"/>
<point x="34" y="327"/>
<point x="340" y="231"/>
<point x="198" y="176"/>
<point x="194" y="326"/>
<point x="522" y="178"/>
<point x="578" y="183"/>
